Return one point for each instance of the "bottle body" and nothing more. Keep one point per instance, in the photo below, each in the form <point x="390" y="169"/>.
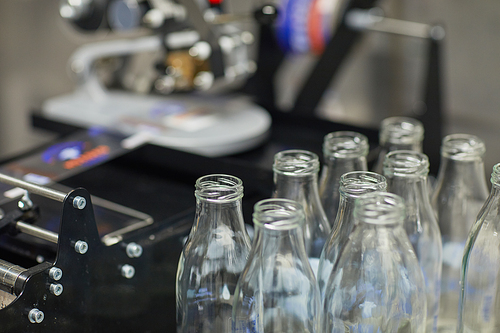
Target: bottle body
<point x="343" y="152"/>
<point x="398" y="133"/>
<point x="459" y="194"/>
<point x="352" y="185"/>
<point x="377" y="285"/>
<point x="480" y="280"/>
<point x="277" y="292"/>
<point x="296" y="178"/>
<point x="406" y="173"/>
<point x="212" y="258"/>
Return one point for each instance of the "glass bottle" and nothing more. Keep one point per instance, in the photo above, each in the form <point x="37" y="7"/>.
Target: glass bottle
<point x="398" y="133"/>
<point x="277" y="292"/>
<point x="352" y="185"/>
<point x="406" y="172"/>
<point x="213" y="257"/>
<point x="459" y="194"/>
<point x="343" y="152"/>
<point x="377" y="284"/>
<point x="480" y="281"/>
<point x="296" y="178"/>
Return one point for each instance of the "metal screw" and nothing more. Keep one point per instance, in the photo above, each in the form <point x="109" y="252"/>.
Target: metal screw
<point x="55" y="273"/>
<point x="79" y="202"/>
<point x="25" y="203"/>
<point x="36" y="316"/>
<point x="81" y="247"/>
<point x="128" y="271"/>
<point x="133" y="250"/>
<point x="56" y="289"/>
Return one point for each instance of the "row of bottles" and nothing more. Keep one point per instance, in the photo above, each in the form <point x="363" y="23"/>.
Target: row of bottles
<point x="355" y="251"/>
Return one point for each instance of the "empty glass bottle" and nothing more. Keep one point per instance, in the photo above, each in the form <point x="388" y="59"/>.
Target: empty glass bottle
<point x="398" y="133"/>
<point x="296" y="178"/>
<point x="213" y="257"/>
<point x="277" y="292"/>
<point x="480" y="281"/>
<point x="458" y="196"/>
<point x="406" y="172"/>
<point x="343" y="152"/>
<point x="352" y="185"/>
<point x="376" y="285"/>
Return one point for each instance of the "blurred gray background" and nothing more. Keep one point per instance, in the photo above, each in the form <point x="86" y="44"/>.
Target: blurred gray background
<point x="381" y="79"/>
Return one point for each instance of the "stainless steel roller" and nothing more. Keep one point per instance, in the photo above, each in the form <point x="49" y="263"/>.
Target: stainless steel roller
<point x="33" y="188"/>
<point x="9" y="273"/>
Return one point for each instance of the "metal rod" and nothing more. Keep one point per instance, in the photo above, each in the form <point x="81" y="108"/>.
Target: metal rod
<point x="9" y="273"/>
<point x="37" y="232"/>
<point x="33" y="188"/>
<point x="363" y="19"/>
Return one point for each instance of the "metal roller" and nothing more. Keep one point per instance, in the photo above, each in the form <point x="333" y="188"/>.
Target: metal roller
<point x="9" y="273"/>
<point x="33" y="188"/>
<point x="38" y="232"/>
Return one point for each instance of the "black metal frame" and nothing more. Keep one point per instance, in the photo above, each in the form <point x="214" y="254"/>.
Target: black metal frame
<point x="96" y="297"/>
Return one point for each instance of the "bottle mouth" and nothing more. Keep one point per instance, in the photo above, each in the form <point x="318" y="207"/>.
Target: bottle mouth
<point x="278" y="214"/>
<point x="219" y="188"/>
<point x="356" y="183"/>
<point x="462" y="147"/>
<point x="406" y="163"/>
<point x="296" y="163"/>
<point x="401" y="131"/>
<point x="495" y="175"/>
<point x="379" y="208"/>
<point x="345" y="144"/>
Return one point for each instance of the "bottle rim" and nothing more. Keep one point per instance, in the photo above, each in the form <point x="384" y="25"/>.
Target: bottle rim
<point x="219" y="188"/>
<point x="462" y="147"/>
<point x="401" y="131"/>
<point x="278" y="214"/>
<point x="379" y="208"/>
<point x="495" y="175"/>
<point x="345" y="144"/>
<point x="295" y="162"/>
<point x="406" y="163"/>
<point x="356" y="183"/>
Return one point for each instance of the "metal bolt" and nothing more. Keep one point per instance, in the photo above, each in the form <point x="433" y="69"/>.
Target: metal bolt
<point x="128" y="271"/>
<point x="133" y="250"/>
<point x="55" y="273"/>
<point x="25" y="203"/>
<point x="79" y="202"/>
<point x="56" y="289"/>
<point x="36" y="316"/>
<point x="81" y="247"/>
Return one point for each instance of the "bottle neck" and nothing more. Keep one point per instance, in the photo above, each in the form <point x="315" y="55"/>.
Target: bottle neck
<point x="495" y="177"/>
<point x="278" y="230"/>
<point x="344" y="221"/>
<point x="298" y="188"/>
<point x="279" y="243"/>
<point x="210" y="215"/>
<point x="412" y="189"/>
<point x="470" y="171"/>
<point x="343" y="165"/>
<point x="391" y="146"/>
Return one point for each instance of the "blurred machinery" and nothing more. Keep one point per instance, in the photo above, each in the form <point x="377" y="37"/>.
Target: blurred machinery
<point x="178" y="84"/>
<point x="193" y="47"/>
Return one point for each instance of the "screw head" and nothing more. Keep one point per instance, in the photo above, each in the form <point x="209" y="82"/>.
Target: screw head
<point x="128" y="271"/>
<point x="56" y="289"/>
<point x="36" y="316"/>
<point x="55" y="273"/>
<point x="79" y="202"/>
<point x="81" y="247"/>
<point x="133" y="250"/>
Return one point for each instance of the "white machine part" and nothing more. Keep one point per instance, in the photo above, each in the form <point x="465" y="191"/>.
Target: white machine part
<point x="202" y="124"/>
